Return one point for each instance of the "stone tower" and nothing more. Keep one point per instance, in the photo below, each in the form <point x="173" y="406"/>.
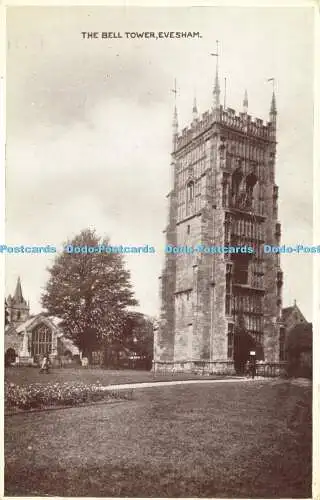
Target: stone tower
<point x="223" y="194"/>
<point x="17" y="306"/>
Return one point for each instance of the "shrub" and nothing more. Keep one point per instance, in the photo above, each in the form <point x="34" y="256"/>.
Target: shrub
<point x="66" y="394"/>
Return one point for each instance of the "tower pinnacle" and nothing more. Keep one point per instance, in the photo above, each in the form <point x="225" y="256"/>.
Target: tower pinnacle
<point x="175" y="112"/>
<point x="216" y="88"/>
<point x="245" y="102"/>
<point x="273" y="108"/>
<point x="195" y="109"/>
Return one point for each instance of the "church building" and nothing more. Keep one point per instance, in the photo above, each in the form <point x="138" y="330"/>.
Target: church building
<point x="29" y="337"/>
<point x="223" y="194"/>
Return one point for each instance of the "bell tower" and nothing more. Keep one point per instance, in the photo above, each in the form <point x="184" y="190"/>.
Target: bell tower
<point x="223" y="196"/>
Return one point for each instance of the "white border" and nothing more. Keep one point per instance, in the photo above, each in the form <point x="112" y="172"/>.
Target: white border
<point x="316" y="201"/>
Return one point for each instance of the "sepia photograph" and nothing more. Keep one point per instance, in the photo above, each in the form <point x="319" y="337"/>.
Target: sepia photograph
<point x="159" y="251"/>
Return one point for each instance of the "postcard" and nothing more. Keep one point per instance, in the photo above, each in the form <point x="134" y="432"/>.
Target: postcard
<point x="159" y="251"/>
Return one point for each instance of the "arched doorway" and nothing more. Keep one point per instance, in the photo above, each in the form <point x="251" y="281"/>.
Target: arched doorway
<point x="243" y="344"/>
<point x="10" y="356"/>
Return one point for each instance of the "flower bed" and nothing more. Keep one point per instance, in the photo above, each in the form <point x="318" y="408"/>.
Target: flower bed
<point x="65" y="394"/>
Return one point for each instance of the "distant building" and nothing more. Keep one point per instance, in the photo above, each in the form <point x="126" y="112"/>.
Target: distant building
<point x="28" y="342"/>
<point x="292" y="318"/>
<point x="298" y="350"/>
<point x="28" y="338"/>
<point x="223" y="194"/>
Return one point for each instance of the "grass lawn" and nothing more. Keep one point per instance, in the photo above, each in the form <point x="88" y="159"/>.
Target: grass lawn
<point x="29" y="375"/>
<point x="235" y="440"/>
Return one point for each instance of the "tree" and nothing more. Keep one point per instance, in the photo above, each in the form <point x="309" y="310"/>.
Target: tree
<point x="136" y="339"/>
<point x="138" y="334"/>
<point x="90" y="292"/>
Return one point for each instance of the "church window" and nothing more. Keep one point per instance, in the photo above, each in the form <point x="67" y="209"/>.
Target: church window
<point x="188" y="229"/>
<point x="190" y="191"/>
<point x="224" y="194"/>
<point x="275" y="210"/>
<point x="241" y="270"/>
<point x="41" y="340"/>
<point x="236" y="181"/>
<point x="18" y="315"/>
<point x="228" y="305"/>
<point x="227" y="231"/>
<point x="228" y="291"/>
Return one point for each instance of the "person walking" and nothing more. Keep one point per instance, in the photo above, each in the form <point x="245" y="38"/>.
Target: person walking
<point x="253" y="367"/>
<point x="45" y="364"/>
<point x="247" y="369"/>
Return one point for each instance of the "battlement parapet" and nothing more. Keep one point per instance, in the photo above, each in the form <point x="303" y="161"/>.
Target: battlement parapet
<point x="242" y="122"/>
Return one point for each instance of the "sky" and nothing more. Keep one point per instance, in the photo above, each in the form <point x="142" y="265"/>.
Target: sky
<point x="89" y="126"/>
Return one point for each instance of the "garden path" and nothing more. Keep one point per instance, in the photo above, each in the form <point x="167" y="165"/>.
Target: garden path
<point x="142" y="385"/>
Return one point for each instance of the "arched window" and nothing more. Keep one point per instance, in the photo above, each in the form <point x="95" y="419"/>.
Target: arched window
<point x="41" y="340"/>
<point x="251" y="181"/>
<point x="190" y="191"/>
<point x="237" y="177"/>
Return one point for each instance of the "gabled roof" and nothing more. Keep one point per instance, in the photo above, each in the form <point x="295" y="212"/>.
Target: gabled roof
<point x="37" y="319"/>
<point x="287" y="311"/>
<point x="22" y="326"/>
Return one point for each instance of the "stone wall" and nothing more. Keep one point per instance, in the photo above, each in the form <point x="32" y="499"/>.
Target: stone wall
<point x="13" y="341"/>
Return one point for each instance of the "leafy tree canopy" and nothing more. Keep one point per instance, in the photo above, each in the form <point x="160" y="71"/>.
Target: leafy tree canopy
<point x="90" y="292"/>
<point x="138" y="334"/>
